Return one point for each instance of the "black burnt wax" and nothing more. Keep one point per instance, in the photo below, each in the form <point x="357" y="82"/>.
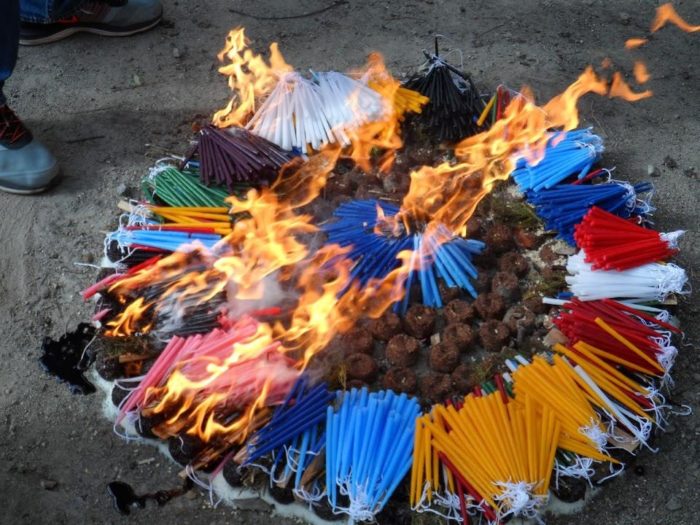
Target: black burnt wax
<point x="62" y="358"/>
<point x="125" y="498"/>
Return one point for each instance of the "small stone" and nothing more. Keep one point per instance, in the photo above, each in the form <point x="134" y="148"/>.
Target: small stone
<point x="136" y="80"/>
<point x="121" y="188"/>
<point x="670" y="162"/>
<point x="176" y="53"/>
<point x="49" y="484"/>
<point x="673" y="504"/>
<point x="652" y="171"/>
<point x="624" y="19"/>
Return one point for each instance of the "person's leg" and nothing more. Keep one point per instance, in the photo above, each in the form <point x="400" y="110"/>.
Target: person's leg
<point x="47" y="11"/>
<point x="26" y="166"/>
<point x="9" y="41"/>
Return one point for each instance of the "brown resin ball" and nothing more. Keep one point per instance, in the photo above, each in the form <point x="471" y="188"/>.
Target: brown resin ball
<point x="458" y="311"/>
<point x="506" y="285"/>
<point x="482" y="283"/>
<point x="475" y="227"/>
<point x="547" y="255"/>
<point x="357" y="341"/>
<point x="449" y="293"/>
<point x="435" y="387"/>
<point x="402" y="350"/>
<point x="499" y="238"/>
<point x="525" y="240"/>
<point x="533" y="302"/>
<point x="515" y="263"/>
<point x="519" y="320"/>
<point x="387" y="326"/>
<point x="460" y="335"/>
<point x="401" y="380"/>
<point x="444" y="357"/>
<point x="362" y="367"/>
<point x="494" y="335"/>
<point x="419" y="321"/>
<point x="490" y="306"/>
<point x="464" y="378"/>
<point x="355" y="383"/>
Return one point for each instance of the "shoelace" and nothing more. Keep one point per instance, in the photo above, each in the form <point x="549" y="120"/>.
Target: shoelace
<point x="11" y="128"/>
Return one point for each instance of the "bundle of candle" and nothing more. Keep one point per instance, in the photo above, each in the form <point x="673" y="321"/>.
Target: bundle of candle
<point x="166" y="184"/>
<point x="497" y="105"/>
<point x="228" y="157"/>
<point x="302" y="114"/>
<point x="559" y="387"/>
<point x="369" y="442"/>
<point x="567" y="153"/>
<point x="613" y="243"/>
<point x="304" y="408"/>
<point x="647" y="283"/>
<point x="437" y="254"/>
<point x="169" y="240"/>
<point x="201" y="367"/>
<point x="624" y="401"/>
<point x="620" y="335"/>
<point x="562" y="207"/>
<point x="454" y="102"/>
<point x="498" y="452"/>
<point x="155" y="297"/>
<point x="295" y="437"/>
<point x="404" y="100"/>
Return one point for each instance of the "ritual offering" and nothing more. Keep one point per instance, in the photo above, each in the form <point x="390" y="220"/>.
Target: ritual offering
<point x="310" y="309"/>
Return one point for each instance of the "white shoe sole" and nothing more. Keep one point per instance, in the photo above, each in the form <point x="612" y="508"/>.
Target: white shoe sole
<point x="68" y="31"/>
<point x="55" y="176"/>
<point x="16" y="191"/>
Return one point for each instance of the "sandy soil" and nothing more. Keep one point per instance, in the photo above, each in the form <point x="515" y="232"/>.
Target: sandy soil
<point x="108" y="108"/>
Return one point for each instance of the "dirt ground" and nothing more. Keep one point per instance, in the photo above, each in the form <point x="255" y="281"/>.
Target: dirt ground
<point x="109" y="108"/>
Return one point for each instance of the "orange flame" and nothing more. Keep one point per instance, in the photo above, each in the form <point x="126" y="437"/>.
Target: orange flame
<point x="641" y="74"/>
<point x="634" y="43"/>
<point x="667" y="14"/>
<point x="249" y="77"/>
<point x="383" y="135"/>
<point x="620" y="88"/>
<point x="449" y="194"/>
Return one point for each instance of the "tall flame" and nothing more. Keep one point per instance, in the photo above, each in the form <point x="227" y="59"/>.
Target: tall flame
<point x="249" y="77"/>
<point x="449" y="194"/>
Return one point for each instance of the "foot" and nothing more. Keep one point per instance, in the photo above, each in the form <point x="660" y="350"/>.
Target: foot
<point x="101" y="17"/>
<point x="26" y="166"/>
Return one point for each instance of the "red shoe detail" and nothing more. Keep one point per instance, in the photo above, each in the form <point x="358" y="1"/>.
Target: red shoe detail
<point x="11" y="128"/>
<point x="69" y="20"/>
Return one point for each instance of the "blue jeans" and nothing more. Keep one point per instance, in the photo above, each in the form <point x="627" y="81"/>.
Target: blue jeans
<point x="37" y="11"/>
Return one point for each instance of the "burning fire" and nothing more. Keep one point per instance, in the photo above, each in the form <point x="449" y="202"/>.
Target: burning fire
<point x="223" y="392"/>
<point x="249" y="77"/>
<point x="449" y="194"/>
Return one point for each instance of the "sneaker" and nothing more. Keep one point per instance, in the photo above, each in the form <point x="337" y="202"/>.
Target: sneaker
<point x="101" y="17"/>
<point x="26" y="166"/>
